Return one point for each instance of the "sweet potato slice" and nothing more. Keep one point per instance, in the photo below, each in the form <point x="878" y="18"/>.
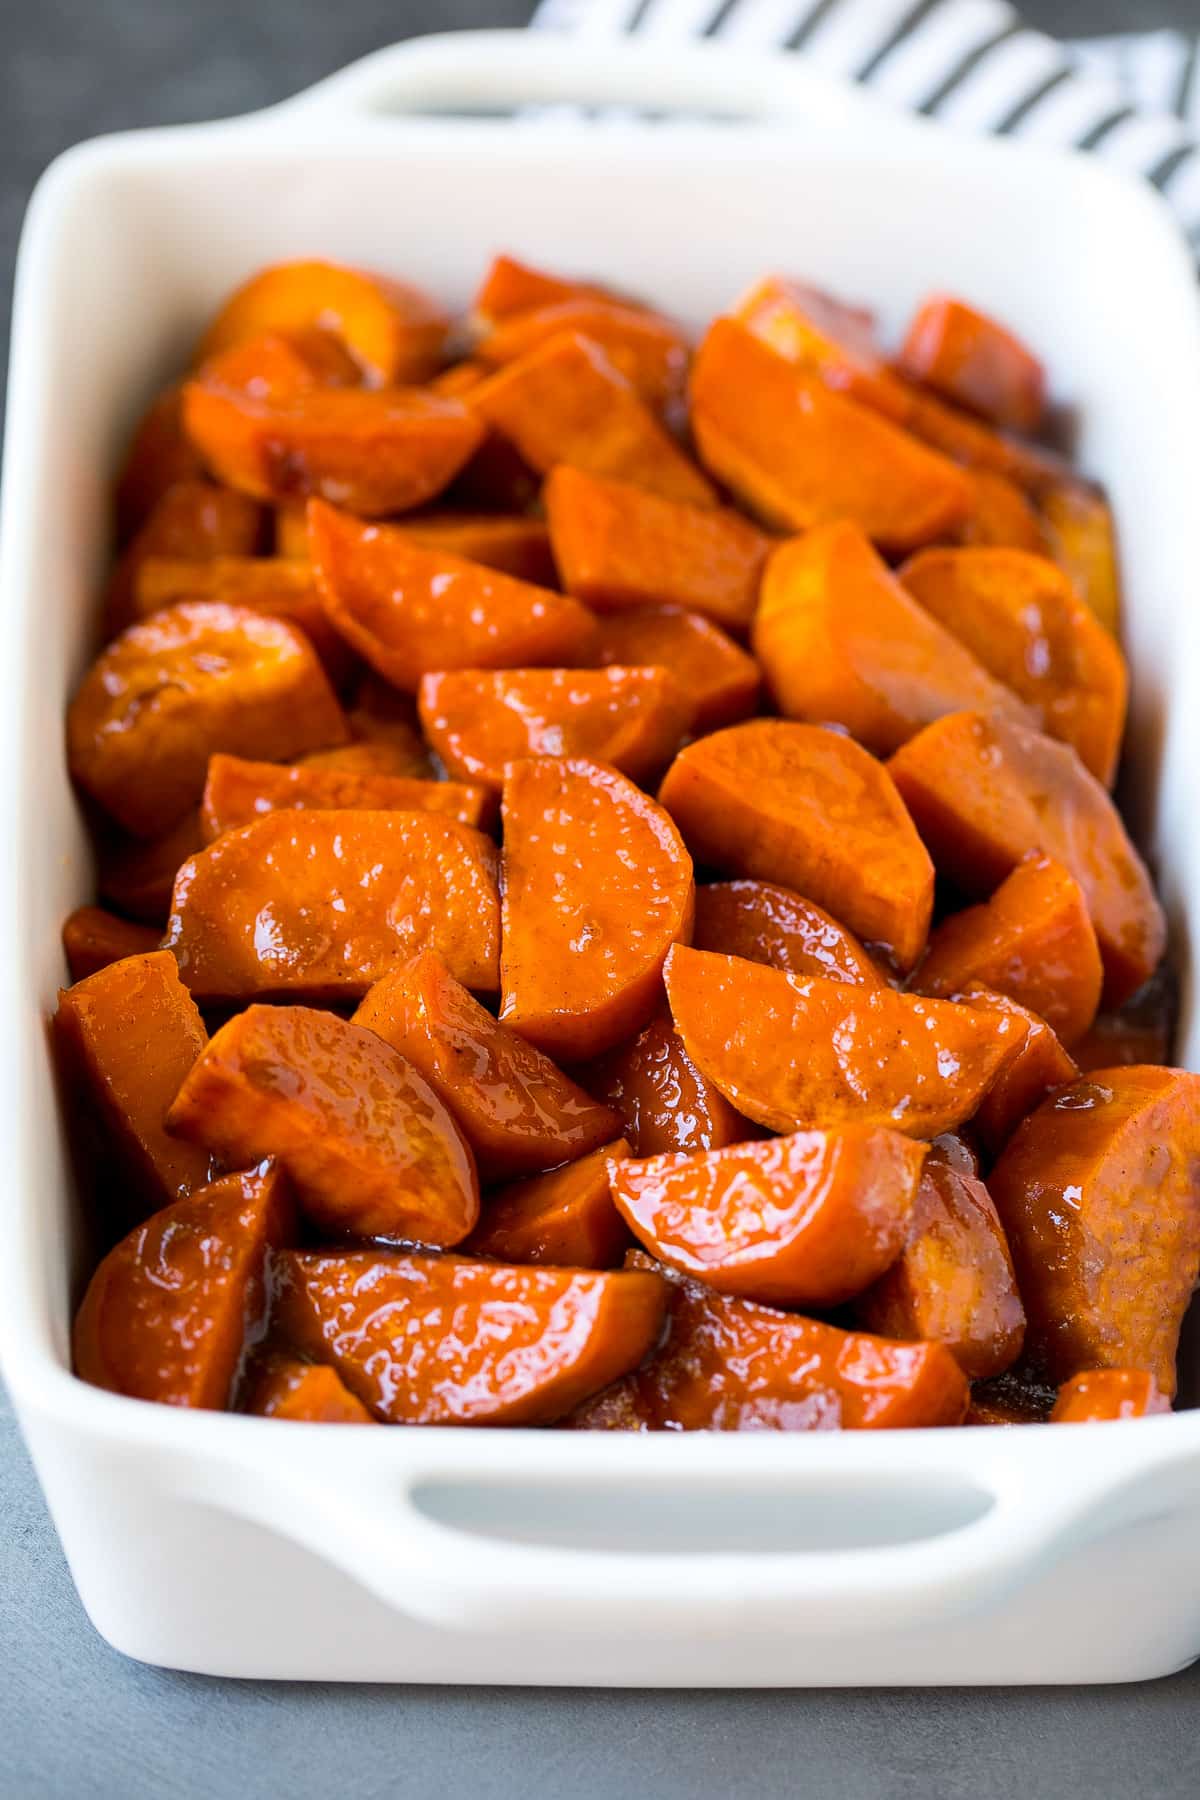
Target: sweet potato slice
<point x="319" y="905"/>
<point x="597" y="886"/>
<point x="1082" y="539"/>
<point x="169" y="1313"/>
<point x="824" y="335"/>
<point x="719" y="680"/>
<point x="566" y="403"/>
<point x="805" y="1220"/>
<point x="797" y="455"/>
<point x="237" y="792"/>
<point x="663" y="1101"/>
<point x="796" y="1052"/>
<point x="279" y="1386"/>
<point x="1000" y="515"/>
<point x="158" y="455"/>
<point x="974" y="362"/>
<point x="1021" y="617"/>
<point x="279" y="587"/>
<point x="396" y="331"/>
<point x="514" y="545"/>
<point x="193" y="679"/>
<point x="984" y="792"/>
<point x="1033" y="940"/>
<point x="841" y="642"/>
<point x="1099" y="1192"/>
<point x="517" y="1110"/>
<point x="276" y="365"/>
<point x="129" y="1034"/>
<point x="619" y="546"/>
<point x="565" y="1217"/>
<point x="370" y="1149"/>
<point x="528" y="1344"/>
<point x="410" y="610"/>
<point x="793" y="803"/>
<point x="93" y="938"/>
<point x="138" y="877"/>
<point x="953" y="1281"/>
<point x="769" y="924"/>
<point x="192" y="519"/>
<point x="478" y="720"/>
<point x="1099" y="1394"/>
<point x="733" y="1365"/>
<point x="1038" y="1066"/>
<point x="373" y="453"/>
<point x="459" y="377"/>
<point x="650" y="351"/>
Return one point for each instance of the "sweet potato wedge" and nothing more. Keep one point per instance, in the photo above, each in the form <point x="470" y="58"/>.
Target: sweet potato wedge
<point x="719" y="680"/>
<point x="93" y="938"/>
<point x="279" y="1386"/>
<point x="769" y="924"/>
<point x="192" y="519"/>
<point x="975" y="362"/>
<point x="1038" y="1066"/>
<point x="138" y="876"/>
<point x="824" y="335"/>
<point x="1000" y="515"/>
<point x="157" y="456"/>
<point x="237" y="792"/>
<point x="510" y="286"/>
<point x="649" y="350"/>
<point x="663" y="1101"/>
<point x="513" y="544"/>
<point x="1082" y="539"/>
<point x="1099" y="1394"/>
<point x="280" y="587"/>
<point x="565" y="1217"/>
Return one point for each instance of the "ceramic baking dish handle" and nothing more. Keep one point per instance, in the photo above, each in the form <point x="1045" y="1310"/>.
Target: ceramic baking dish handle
<point x="498" y="71"/>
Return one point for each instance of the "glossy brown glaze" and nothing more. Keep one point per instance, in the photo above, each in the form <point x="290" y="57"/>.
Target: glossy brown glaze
<point x="238" y="791"/>
<point x="1038" y="1066"/>
<point x="279" y="1386"/>
<point x="766" y="923"/>
<point x="271" y="585"/>
<point x="565" y="1217"/>
<point x="663" y="1100"/>
<point x="719" y="679"/>
<point x="1082" y="536"/>
<point x="137" y="875"/>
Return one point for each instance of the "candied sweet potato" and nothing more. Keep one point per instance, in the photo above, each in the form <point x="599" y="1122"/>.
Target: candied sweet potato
<point x="1082" y="539"/>
<point x="157" y="456"/>
<point x="1099" y="1192"/>
<point x="279" y="1386"/>
<point x="1001" y="515"/>
<point x="1033" y="940"/>
<point x="770" y="924"/>
<point x="512" y="544"/>
<point x="237" y="792"/>
<point x="481" y="720"/>
<point x="1038" y="1066"/>
<point x="805" y="1220"/>
<point x="596" y="888"/>
<point x="276" y="365"/>
<point x="663" y="1100"/>
<point x="169" y="1313"/>
<point x="565" y="402"/>
<point x="953" y="1281"/>
<point x="318" y="905"/>
<point x="528" y="1343"/>
<point x="793" y="803"/>
<point x="394" y="330"/>
<point x="648" y="349"/>
<point x="828" y="337"/>
<point x="734" y="1365"/>
<point x="984" y="792"/>
<point x="565" y="1217"/>
<point x="620" y="546"/>
<point x="510" y="286"/>
<point x="796" y="454"/>
<point x="841" y="642"/>
<point x="129" y="1034"/>
<point x="795" y="1052"/>
<point x="516" y="1108"/>
<point x="719" y="680"/>
<point x="974" y="362"/>
<point x="280" y="587"/>
<point x="195" y="678"/>
<point x="93" y="938"/>
<point x="138" y="876"/>
<point x="192" y="519"/>
<point x="409" y="610"/>
<point x="1019" y="614"/>
<point x="379" y="713"/>
<point x="1098" y="1394"/>
<point x="1140" y="1031"/>
<point x="368" y="1146"/>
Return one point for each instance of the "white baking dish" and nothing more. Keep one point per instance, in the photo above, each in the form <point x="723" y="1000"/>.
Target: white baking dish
<point x="238" y="1546"/>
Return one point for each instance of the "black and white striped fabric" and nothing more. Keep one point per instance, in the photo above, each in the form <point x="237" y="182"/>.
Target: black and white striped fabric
<point x="1134" y="100"/>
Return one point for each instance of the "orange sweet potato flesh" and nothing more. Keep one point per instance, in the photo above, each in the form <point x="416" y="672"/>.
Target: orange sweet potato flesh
<point x="237" y="792"/>
<point x="1099" y="1192"/>
<point x="733" y="1365"/>
<point x="805" y="1220"/>
<point x="192" y="519"/>
<point x="510" y="286"/>
<point x="974" y="362"/>
<point x="368" y="1146"/>
<point x="953" y="1281"/>
<point x="1037" y="1067"/>
<point x="458" y="377"/>
<point x="277" y="586"/>
<point x="766" y="923"/>
<point x="1082" y="539"/>
<point x="796" y="1052"/>
<point x="394" y="330"/>
<point x="984" y="792"/>
<point x="514" y="545"/>
<point x="319" y="905"/>
<point x="619" y="546"/>
<point x="157" y="456"/>
<point x="479" y="720"/>
<point x="792" y="803"/>
<point x="663" y="1101"/>
<point x="721" y="682"/>
<point x="528" y="1343"/>
<point x="565" y="1217"/>
<point x="169" y="1313"/>
<point x="279" y="1386"/>
<point x="195" y="678"/>
<point x="517" y="1110"/>
<point x="277" y="365"/>
<point x="1033" y="940"/>
<point x="648" y="349"/>
<point x="565" y="402"/>
<point x="826" y="336"/>
<point x="128" y="1035"/>
<point x="410" y="610"/>
<point x="374" y="453"/>
<point x="797" y="454"/>
<point x="138" y="876"/>
<point x="841" y="642"/>
<point x="1099" y="1394"/>
<point x="1020" y="616"/>
<point x="1000" y="515"/>
<point x="596" y="887"/>
<point x="93" y="938"/>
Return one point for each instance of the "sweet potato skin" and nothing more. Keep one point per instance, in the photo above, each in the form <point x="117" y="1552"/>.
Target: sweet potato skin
<point x="564" y="1217"/>
<point x="663" y="1101"/>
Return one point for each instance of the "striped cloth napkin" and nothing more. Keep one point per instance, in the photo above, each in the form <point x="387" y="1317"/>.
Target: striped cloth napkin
<point x="1134" y="100"/>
